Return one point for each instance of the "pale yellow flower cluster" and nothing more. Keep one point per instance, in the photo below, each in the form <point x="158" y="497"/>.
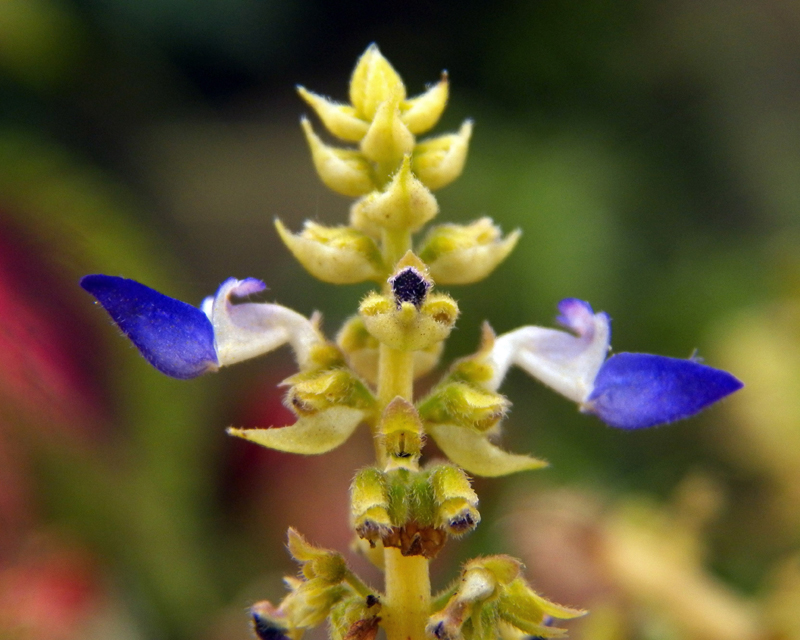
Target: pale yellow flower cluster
<point x="392" y="175"/>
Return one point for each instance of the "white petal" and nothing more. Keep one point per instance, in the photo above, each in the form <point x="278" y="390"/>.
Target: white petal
<point x="250" y="329"/>
<point x="564" y="361"/>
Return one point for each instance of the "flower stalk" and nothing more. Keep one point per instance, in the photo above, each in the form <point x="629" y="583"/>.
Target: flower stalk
<point x="404" y="510"/>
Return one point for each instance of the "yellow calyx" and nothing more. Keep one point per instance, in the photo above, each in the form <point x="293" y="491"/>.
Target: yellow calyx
<point x="342" y="170"/>
<point x="374" y="81"/>
<point x="405" y="204"/>
<point x="438" y="161"/>
<point x="463" y="254"/>
<point x="405" y="327"/>
<point x="340" y="255"/>
<point x="362" y="349"/>
<point x="423" y="112"/>
<point x="340" y="119"/>
<point x="388" y="139"/>
<point x="401" y="435"/>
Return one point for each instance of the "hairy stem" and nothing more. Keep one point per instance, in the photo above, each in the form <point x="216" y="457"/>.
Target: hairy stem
<point x="407" y="603"/>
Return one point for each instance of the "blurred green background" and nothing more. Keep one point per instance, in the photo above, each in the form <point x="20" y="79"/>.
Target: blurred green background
<point x="651" y="154"/>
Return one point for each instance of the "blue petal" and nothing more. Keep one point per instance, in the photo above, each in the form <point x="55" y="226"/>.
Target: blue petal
<point x="637" y="390"/>
<point x="175" y="337"/>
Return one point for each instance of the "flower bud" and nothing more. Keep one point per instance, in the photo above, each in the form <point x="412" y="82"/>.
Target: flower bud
<point x="477" y="369"/>
<point x="405" y="204"/>
<point x="491" y="594"/>
<point x="324" y="564"/>
<point x="423" y="112"/>
<point x="463" y="254"/>
<point x="340" y="119"/>
<point x="464" y="404"/>
<point x="456" y="501"/>
<point x="340" y="255"/>
<point x="438" y="161"/>
<point x="374" y="81"/>
<point x="388" y="139"/>
<point x="314" y="391"/>
<point x="344" y="171"/>
<point x="401" y="433"/>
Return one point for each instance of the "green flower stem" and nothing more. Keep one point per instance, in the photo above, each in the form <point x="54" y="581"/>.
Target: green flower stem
<point x="395" y="375"/>
<point x="357" y="584"/>
<point x="407" y="604"/>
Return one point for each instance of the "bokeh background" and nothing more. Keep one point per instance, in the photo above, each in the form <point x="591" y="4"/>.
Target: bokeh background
<point x="650" y="151"/>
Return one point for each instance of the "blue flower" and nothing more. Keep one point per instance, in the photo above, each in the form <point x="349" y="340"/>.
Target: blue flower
<point x="627" y="390"/>
<point x="184" y="342"/>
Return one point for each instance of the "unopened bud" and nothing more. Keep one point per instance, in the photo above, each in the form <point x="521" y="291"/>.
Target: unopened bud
<point x="323" y="564"/>
<point x="460" y="403"/>
<point x="315" y="391"/>
<point x="401" y="432"/>
<point x="373" y="82"/>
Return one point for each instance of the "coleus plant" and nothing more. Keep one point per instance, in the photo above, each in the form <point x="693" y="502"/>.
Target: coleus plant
<point x="403" y="511"/>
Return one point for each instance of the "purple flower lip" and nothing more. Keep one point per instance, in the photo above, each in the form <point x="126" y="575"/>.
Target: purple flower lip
<point x="639" y="390"/>
<point x="175" y="337"/>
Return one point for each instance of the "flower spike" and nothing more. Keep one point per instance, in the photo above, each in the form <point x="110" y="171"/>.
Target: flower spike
<point x="184" y="342"/>
<point x="627" y="390"/>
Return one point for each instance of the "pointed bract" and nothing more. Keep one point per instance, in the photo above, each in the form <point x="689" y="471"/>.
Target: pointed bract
<point x="340" y="119"/>
<point x="310" y="435"/>
<point x="463" y="254"/>
<point x="438" y="161"/>
<point x="471" y="450"/>
<point x="342" y="170"/>
<point x="406" y="203"/>
<point x="423" y="112"/>
<point x="175" y="337"/>
<point x="340" y="255"/>
<point x="388" y="139"/>
<point x="638" y="390"/>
